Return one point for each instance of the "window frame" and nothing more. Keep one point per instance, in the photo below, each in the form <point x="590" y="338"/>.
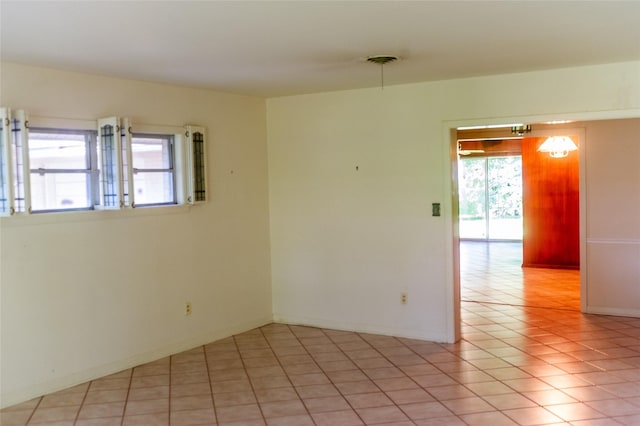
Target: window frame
<point x="172" y="158"/>
<point x="20" y="159"/>
<point x="110" y="180"/>
<point x="195" y="152"/>
<point x="6" y="164"/>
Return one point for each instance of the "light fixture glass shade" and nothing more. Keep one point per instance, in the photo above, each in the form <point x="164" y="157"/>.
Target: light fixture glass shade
<point x="558" y="146"/>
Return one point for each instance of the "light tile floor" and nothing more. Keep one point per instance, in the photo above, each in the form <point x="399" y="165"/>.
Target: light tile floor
<point x="528" y="357"/>
<point x="492" y="273"/>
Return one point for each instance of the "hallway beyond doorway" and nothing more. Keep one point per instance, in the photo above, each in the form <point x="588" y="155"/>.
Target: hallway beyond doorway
<point x="491" y="272"/>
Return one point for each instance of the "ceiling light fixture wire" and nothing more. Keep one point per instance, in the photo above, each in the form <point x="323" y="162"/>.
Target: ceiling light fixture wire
<point x="381" y="60"/>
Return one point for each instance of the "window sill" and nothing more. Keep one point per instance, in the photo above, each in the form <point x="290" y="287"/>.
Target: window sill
<point x="19" y="220"/>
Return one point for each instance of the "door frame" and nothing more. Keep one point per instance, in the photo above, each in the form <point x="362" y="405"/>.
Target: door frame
<point x="450" y="160"/>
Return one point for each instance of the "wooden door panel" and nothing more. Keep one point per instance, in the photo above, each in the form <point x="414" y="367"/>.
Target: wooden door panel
<point x="551" y="208"/>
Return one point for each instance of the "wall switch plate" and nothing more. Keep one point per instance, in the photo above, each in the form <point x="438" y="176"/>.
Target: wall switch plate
<point x="435" y="209"/>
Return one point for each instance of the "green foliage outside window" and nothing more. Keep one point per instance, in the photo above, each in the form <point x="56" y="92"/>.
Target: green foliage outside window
<point x="503" y="177"/>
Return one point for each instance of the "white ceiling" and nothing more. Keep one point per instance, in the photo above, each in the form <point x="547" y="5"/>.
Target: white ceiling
<point x="273" y="48"/>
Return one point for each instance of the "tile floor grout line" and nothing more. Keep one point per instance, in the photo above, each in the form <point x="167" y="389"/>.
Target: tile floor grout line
<point x="244" y="366"/>
<point x="84" y="398"/>
<point x="75" y="420"/>
<point x="484" y="302"/>
<point x="34" y="410"/>
<point x="408" y="376"/>
<point x="329" y="378"/>
<point x="213" y="402"/>
<point x="453" y="378"/>
<point x="363" y="372"/>
<point x="285" y="371"/>
<point x="126" y="400"/>
<point x="170" y="380"/>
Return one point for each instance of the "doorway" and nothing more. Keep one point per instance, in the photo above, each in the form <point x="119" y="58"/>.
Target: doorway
<point x="496" y="174"/>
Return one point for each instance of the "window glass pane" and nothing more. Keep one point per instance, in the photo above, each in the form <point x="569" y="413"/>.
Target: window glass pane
<point x="109" y="167"/>
<point x="57" y="151"/>
<point x="54" y="191"/>
<point x="472" y="198"/>
<point x="153" y="178"/>
<point x="505" y="197"/>
<point x="153" y="187"/>
<point x="60" y="167"/>
<point x="151" y="152"/>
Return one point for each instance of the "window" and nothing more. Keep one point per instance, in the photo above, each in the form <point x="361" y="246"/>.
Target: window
<point x="136" y="169"/>
<point x="62" y="176"/>
<point x="5" y="167"/>
<point x="44" y="168"/>
<point x="110" y="164"/>
<point x="491" y="197"/>
<point x="196" y="165"/>
<point x="153" y="169"/>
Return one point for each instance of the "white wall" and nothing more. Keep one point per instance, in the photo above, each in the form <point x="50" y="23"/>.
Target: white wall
<point x="344" y="243"/>
<point x="86" y="294"/>
<point x="613" y="220"/>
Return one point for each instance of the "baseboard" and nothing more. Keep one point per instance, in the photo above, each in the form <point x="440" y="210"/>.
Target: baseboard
<point x="49" y="386"/>
<point x="360" y="328"/>
<point x="545" y="266"/>
<point x="616" y="312"/>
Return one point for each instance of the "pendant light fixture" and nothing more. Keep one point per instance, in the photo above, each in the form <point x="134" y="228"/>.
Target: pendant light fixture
<point x="382" y="60"/>
<point x="558" y="146"/>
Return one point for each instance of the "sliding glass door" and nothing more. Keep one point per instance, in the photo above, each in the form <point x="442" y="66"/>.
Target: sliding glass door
<point x="490" y="198"/>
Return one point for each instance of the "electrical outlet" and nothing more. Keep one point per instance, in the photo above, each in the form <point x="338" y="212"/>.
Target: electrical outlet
<point x="403" y="298"/>
<point x="187" y="308"/>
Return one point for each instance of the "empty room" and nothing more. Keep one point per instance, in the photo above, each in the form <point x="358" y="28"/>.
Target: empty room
<point x="251" y="213"/>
